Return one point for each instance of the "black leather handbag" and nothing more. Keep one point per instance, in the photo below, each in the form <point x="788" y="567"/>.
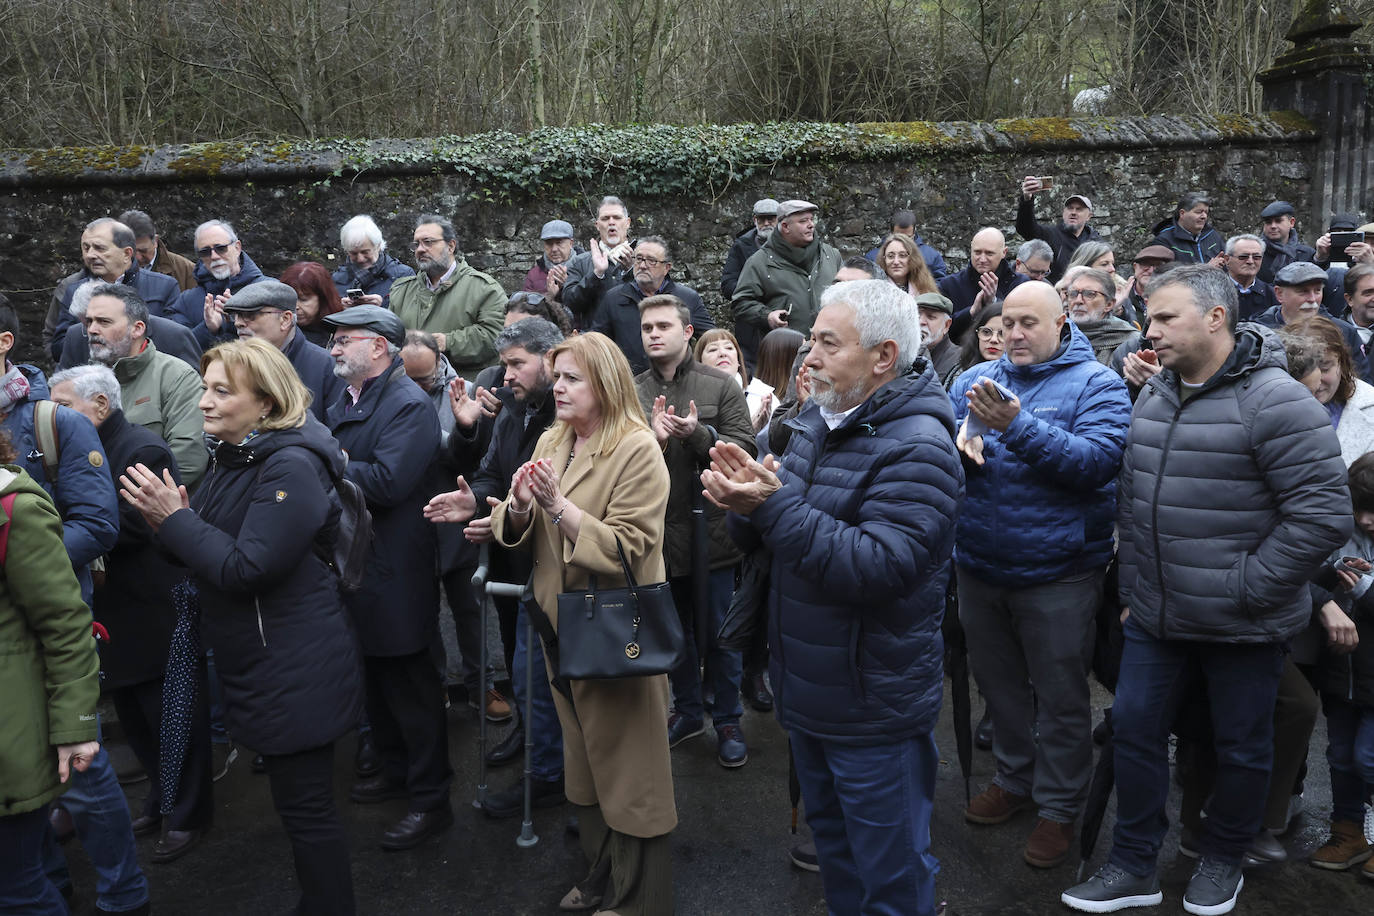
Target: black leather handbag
<point x="618" y="632"/>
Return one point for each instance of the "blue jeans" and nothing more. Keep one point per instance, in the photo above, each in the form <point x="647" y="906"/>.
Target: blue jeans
<point x="1242" y="682"/>
<point x="724" y="668"/>
<point x="869" y="810"/>
<point x="1350" y="754"/>
<point x="104" y="827"/>
<point x="24" y="887"/>
<point x="546" y="735"/>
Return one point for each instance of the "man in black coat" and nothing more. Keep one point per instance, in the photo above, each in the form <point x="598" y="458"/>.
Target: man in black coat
<point x="1298" y="289"/>
<point x="133" y="602"/>
<point x="1281" y="243"/>
<point x="387" y="427"/>
<point x="988" y="277"/>
<point x="1243" y="256"/>
<point x="618" y="314"/>
<point x="513" y="436"/>
<point x="267" y="309"/>
<point x="1065" y="236"/>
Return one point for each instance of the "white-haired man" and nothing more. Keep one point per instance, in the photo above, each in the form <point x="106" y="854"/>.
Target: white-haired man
<point x="366" y="277"/>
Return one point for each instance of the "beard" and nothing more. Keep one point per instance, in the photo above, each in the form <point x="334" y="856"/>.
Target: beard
<point x="221" y="270"/>
<point x="108" y="353"/>
<point x="434" y="268"/>
<point x="832" y="399"/>
<point x="352" y="367"/>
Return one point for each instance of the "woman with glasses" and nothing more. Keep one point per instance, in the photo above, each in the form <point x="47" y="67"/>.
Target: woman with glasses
<point x="901" y="260"/>
<point x="982" y="342"/>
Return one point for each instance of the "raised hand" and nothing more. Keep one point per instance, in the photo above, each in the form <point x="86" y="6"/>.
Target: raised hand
<point x="454" y="506"/>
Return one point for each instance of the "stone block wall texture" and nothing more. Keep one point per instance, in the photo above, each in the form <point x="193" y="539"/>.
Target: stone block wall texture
<point x="287" y="204"/>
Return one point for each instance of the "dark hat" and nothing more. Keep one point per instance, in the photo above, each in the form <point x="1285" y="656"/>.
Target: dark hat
<point x="370" y="317"/>
<point x="766" y="207"/>
<point x="1343" y="222"/>
<point x="793" y="207"/>
<point x="935" y="301"/>
<point x="1154" y="253"/>
<point x="1299" y="273"/>
<point x="1277" y="208"/>
<point x="556" y="229"/>
<point x="264" y="294"/>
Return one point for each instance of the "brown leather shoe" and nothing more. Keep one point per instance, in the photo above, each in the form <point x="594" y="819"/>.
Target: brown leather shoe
<point x="994" y="805"/>
<point x="1049" y="843"/>
<point x="175" y="844"/>
<point x="1345" y="848"/>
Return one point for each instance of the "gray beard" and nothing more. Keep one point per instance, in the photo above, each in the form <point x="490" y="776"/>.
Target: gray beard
<point x="109" y="354"/>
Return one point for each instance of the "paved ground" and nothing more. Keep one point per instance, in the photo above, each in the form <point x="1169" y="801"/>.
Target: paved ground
<point x="730" y="849"/>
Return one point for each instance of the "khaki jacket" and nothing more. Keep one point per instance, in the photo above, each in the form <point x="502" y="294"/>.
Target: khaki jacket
<point x="182" y="270"/>
<point x="615" y="743"/>
<point x="468" y="308"/>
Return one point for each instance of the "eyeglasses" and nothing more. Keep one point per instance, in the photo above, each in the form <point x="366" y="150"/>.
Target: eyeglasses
<point x="344" y="340"/>
<point x="426" y="243"/>
<point x="646" y="261"/>
<point x="1248" y="257"/>
<point x="1088" y="294"/>
<point x="987" y="332"/>
<point x="249" y="316"/>
<point x="217" y="249"/>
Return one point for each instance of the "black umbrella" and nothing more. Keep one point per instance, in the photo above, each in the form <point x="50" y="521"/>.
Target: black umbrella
<point x="1106" y="666"/>
<point x="956" y="668"/>
<point x="793" y="785"/>
<point x="1099" y="793"/>
<point x="701" y="574"/>
<point x="179" y="688"/>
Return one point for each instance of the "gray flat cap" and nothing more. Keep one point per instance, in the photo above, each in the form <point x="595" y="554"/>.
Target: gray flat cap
<point x="766" y="207"/>
<point x="1299" y="273"/>
<point x="264" y="294"/>
<point x="556" y="229"/>
<point x="793" y="207"/>
<point x="372" y="318"/>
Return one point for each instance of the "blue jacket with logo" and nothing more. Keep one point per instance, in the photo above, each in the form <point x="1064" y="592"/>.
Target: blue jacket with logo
<point x="1042" y="505"/>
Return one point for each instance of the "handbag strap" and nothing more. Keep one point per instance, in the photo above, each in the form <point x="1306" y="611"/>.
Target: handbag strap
<point x="624" y="566"/>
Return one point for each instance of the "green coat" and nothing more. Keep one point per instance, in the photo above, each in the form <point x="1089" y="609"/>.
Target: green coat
<point x="162" y="393"/>
<point x="779" y="275"/>
<point x="468" y="308"/>
<point x="49" y="673"/>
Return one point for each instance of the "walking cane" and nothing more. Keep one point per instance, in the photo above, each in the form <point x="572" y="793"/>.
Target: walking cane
<point x="479" y="580"/>
<point x="527" y="835"/>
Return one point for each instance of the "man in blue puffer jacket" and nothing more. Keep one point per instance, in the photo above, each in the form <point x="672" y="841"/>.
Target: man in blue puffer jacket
<point x="859" y="517"/>
<point x="1033" y="545"/>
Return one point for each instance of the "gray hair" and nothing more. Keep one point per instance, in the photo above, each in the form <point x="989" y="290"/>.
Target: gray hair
<point x="882" y="311"/>
<point x="120" y="234"/>
<point x="612" y="201"/>
<point x="434" y="219"/>
<point x="89" y="381"/>
<point x="422" y="339"/>
<point x="361" y="227"/>
<point x="1304" y="353"/>
<point x="140" y="222"/>
<point x="215" y="224"/>
<point x="1209" y="288"/>
<point x="535" y="335"/>
<point x="1088" y="252"/>
<point x="392" y="351"/>
<point x="1035" y="248"/>
<point x="659" y="241"/>
<point x="1234" y="240"/>
<point x="135" y="309"/>
<point x="1099" y="278"/>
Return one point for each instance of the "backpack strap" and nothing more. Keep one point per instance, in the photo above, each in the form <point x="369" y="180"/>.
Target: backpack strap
<point x="6" y="503"/>
<point x="45" y="432"/>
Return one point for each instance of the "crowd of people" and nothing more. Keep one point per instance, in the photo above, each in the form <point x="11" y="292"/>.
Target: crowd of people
<point x="1163" y="480"/>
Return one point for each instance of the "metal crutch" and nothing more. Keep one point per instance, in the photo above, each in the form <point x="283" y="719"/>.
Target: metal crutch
<point x="479" y="579"/>
<point x="527" y="835"/>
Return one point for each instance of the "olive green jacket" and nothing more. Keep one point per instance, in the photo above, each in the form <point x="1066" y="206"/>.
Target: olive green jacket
<point x="782" y="276"/>
<point x="468" y="308"/>
<point x="49" y="673"/>
<point x="162" y="393"/>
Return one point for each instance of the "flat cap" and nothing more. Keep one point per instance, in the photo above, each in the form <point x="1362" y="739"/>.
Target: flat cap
<point x="935" y="301"/>
<point x="1299" y="273"/>
<point x="1154" y="253"/>
<point x="264" y="294"/>
<point x="1277" y="208"/>
<point x="372" y="318"/>
<point x="793" y="207"/>
<point x="766" y="207"/>
<point x="1080" y="198"/>
<point x="1342" y="222"/>
<point x="556" y="229"/>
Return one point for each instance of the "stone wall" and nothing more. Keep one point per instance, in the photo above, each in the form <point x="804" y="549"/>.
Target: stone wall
<point x="287" y="202"/>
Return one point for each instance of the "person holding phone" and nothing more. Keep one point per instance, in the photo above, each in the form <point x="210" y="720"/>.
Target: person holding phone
<point x="1063" y="237"/>
<point x="366" y="277"/>
<point x="1041" y="431"/>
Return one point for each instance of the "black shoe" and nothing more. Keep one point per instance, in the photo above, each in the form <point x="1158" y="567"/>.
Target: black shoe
<point x="62" y="826"/>
<point x="508" y="748"/>
<point x="257" y="764"/>
<point x="1214" y="887"/>
<point x="147" y="824"/>
<point x="982" y="735"/>
<point x="804" y="857"/>
<point x="731" y="750"/>
<point x="175" y="844"/>
<point x="1113" y="889"/>
<point x="416" y="827"/>
<point x="376" y="789"/>
<point x="510" y="802"/>
<point x="366" y="761"/>
<point x="757" y="694"/>
<point x="680" y="728"/>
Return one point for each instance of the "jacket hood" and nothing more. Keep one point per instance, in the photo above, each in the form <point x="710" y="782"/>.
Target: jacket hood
<point x="38" y="382"/>
<point x="1074" y="347"/>
<point x="248" y="273"/>
<point x="13" y="479"/>
<point x="313" y="435"/>
<point x="1257" y="347"/>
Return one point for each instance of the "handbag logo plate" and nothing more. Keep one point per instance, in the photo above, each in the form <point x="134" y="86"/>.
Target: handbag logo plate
<point x="632" y="650"/>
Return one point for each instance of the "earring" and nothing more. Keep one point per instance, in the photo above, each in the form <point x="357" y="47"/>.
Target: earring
<point x="262" y="416"/>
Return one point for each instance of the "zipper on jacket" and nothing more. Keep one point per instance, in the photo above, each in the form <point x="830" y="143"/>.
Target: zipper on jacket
<point x="257" y="603"/>
<point x="1154" y="521"/>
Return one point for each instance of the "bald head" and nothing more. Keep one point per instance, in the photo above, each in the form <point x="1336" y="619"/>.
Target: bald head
<point x="987" y="249"/>
<point x="1032" y="318"/>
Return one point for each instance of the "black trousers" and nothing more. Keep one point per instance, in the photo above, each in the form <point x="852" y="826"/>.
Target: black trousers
<point x="139" y="707"/>
<point x="405" y="704"/>
<point x="303" y="794"/>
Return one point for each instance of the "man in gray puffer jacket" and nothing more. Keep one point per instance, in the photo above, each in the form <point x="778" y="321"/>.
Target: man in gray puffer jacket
<point x="1232" y="493"/>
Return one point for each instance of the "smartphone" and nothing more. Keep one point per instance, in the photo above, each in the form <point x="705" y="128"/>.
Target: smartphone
<point x="356" y="294"/>
<point x="1348" y="564"/>
<point x="1046" y="182"/>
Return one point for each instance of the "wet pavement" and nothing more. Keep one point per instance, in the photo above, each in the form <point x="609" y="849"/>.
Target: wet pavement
<point x="730" y="849"/>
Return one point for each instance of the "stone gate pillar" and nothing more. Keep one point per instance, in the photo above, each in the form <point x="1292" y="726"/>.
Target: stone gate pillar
<point x="1329" y="78"/>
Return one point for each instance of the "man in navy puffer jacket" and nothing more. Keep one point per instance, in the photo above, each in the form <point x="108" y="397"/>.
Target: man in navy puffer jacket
<point x="1033" y="545"/>
<point x="859" y="517"/>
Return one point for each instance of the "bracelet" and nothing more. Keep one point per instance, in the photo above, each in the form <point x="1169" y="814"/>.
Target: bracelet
<point x="510" y="507"/>
<point x="558" y="516"/>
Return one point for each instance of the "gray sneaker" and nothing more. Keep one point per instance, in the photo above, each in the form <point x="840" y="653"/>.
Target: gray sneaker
<point x="1214" y="887"/>
<point x="1113" y="889"/>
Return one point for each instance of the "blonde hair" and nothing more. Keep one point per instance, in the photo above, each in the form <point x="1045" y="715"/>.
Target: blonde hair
<point x="711" y="337"/>
<point x="262" y="368"/>
<point x="608" y="374"/>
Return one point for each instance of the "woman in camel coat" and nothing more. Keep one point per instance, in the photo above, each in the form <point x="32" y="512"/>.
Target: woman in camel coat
<point x="598" y="474"/>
